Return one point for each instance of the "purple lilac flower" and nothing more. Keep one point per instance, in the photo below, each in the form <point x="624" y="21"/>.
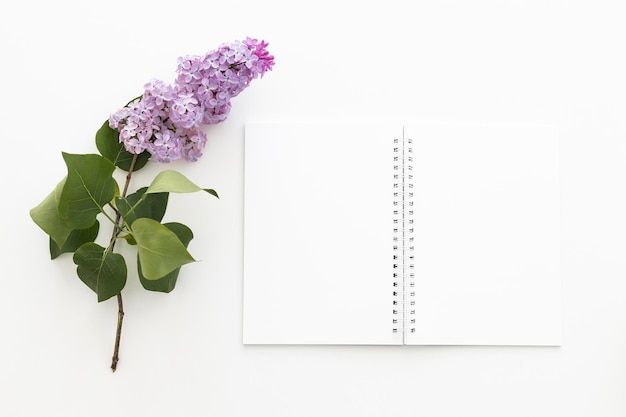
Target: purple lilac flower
<point x="185" y="111"/>
<point x="166" y="120"/>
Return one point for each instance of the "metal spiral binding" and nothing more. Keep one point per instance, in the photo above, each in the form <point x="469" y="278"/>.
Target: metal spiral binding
<point x="403" y="275"/>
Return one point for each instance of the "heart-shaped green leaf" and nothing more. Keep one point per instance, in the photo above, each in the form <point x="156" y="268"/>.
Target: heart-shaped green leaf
<point x="168" y="282"/>
<point x="101" y="270"/>
<point x="171" y="181"/>
<point x="46" y="216"/>
<point x="159" y="249"/>
<point x="146" y="205"/>
<point x="76" y="239"/>
<point x="88" y="187"/>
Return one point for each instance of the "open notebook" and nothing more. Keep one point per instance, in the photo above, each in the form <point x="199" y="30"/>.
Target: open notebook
<point x="415" y="234"/>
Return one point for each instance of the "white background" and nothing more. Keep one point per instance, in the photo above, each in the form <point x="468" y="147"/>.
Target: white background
<point x="67" y="65"/>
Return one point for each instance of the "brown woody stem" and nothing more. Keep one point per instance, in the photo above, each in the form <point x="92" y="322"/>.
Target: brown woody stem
<point x="120" y="303"/>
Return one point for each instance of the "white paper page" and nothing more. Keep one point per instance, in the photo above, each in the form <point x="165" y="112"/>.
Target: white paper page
<point x="487" y="235"/>
<point x="318" y="234"/>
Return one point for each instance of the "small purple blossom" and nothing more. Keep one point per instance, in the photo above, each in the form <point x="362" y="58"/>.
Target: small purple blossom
<point x="166" y="120"/>
<point x="185" y="111"/>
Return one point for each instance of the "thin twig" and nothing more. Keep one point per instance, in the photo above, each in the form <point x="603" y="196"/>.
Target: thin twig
<point x="120" y="303"/>
<point x="118" y="333"/>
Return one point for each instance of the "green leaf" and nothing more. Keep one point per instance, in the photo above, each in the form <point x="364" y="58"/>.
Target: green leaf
<point x="168" y="282"/>
<point x="76" y="239"/>
<point x="129" y="239"/>
<point x="174" y="182"/>
<point x="88" y="187"/>
<point x="159" y="248"/>
<point x="147" y="205"/>
<point x="109" y="145"/>
<point x="46" y="216"/>
<point x="101" y="270"/>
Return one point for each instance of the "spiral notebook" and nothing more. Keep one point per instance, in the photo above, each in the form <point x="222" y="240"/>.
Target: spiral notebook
<point x="401" y="234"/>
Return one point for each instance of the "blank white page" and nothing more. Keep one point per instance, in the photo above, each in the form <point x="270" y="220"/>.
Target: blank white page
<point x="318" y="233"/>
<point x="487" y="267"/>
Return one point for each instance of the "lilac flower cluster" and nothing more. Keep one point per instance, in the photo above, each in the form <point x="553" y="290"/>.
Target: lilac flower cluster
<point x="166" y="119"/>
